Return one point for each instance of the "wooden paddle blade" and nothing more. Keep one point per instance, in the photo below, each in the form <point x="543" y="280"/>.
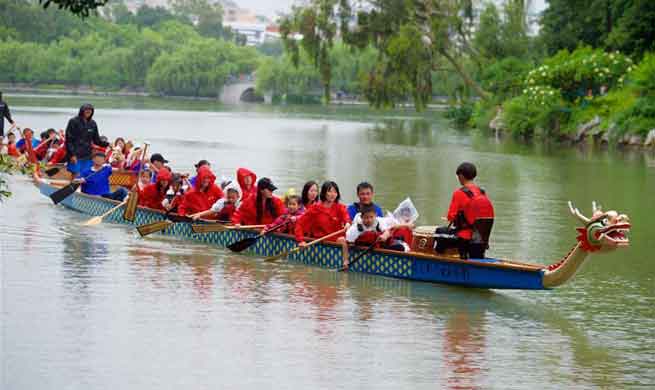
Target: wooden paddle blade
<point x="242" y="245"/>
<point x="154" y="227"/>
<point x="64" y="192"/>
<point x="130" y="208"/>
<point x="208" y="227"/>
<point x="52" y="171"/>
<point x="277" y="257"/>
<point x="93" y="221"/>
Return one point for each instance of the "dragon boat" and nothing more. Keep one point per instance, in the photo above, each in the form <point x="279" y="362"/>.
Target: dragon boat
<point x="602" y="232"/>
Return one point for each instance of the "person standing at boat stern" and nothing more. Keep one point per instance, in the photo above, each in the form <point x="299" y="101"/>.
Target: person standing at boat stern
<point x="81" y="135"/>
<point x="470" y="204"/>
<point x="325" y="217"/>
<point x="4" y="113"/>
<point x="365" y="195"/>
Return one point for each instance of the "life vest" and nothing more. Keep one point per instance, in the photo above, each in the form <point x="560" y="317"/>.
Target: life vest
<point x="367" y="237"/>
<point x="479" y="207"/>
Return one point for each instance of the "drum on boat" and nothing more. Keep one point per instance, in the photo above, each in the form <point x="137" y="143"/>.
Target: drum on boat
<point x="423" y="240"/>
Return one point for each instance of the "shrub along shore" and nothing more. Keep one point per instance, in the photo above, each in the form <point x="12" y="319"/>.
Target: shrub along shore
<point x="587" y="95"/>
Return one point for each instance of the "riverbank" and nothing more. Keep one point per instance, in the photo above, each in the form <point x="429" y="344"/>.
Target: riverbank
<point x="579" y="97"/>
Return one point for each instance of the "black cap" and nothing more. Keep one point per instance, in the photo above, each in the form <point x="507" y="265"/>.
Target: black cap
<point x="266" y="183"/>
<point x="158" y="157"/>
<point x="201" y="163"/>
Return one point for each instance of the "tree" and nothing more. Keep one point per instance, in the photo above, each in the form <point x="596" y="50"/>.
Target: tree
<point x="78" y="7"/>
<point x="568" y="23"/>
<point x="487" y="37"/>
<point x="411" y="37"/>
<point x="635" y="29"/>
<point x="318" y="26"/>
<point x="198" y="68"/>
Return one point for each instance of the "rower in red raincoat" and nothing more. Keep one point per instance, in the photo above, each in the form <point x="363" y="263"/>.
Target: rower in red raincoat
<point x="324" y="217"/>
<point x="153" y="195"/>
<point x="204" y="194"/>
<point x="247" y="180"/>
<point x="262" y="208"/>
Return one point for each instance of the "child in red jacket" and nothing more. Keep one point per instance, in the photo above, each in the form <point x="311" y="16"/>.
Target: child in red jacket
<point x="287" y="222"/>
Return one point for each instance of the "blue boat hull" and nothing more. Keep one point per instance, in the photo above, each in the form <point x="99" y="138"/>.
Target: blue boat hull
<point x="486" y="273"/>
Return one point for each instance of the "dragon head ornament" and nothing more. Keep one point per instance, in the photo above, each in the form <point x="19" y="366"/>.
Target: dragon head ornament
<point x="604" y="231"/>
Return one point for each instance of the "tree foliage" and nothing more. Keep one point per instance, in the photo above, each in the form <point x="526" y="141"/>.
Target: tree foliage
<point x="411" y="38"/>
<point x="100" y="53"/>
<point x="626" y="25"/>
<point x="78" y="7"/>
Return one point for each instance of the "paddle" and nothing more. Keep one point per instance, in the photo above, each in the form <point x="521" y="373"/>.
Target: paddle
<point x="367" y="250"/>
<point x="219" y="227"/>
<point x="52" y="171"/>
<point x="244" y="244"/>
<point x="68" y="190"/>
<point x="133" y="201"/>
<point x="298" y="248"/>
<point x="64" y="192"/>
<point x="158" y="226"/>
<point x="96" y="220"/>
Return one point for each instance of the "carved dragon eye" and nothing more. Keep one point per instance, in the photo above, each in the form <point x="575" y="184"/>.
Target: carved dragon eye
<point x="605" y="221"/>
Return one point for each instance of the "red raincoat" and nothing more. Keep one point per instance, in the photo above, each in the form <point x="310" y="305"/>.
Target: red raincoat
<point x="195" y="200"/>
<point x="226" y="212"/>
<point x="246" y="214"/>
<point x="288" y="220"/>
<point x="12" y="151"/>
<point x="319" y="220"/>
<point x="242" y="173"/>
<point x="153" y="195"/>
<point x="59" y="156"/>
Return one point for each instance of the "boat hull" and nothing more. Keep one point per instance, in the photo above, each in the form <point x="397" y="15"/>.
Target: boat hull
<point x="486" y="273"/>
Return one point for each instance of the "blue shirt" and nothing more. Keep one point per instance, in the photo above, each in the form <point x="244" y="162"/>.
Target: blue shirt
<point x="21" y="143"/>
<point x="193" y="181"/>
<point x="96" y="182"/>
<point x="353" y="209"/>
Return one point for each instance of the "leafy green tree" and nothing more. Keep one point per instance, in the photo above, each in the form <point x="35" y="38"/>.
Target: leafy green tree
<point x="635" y="30"/>
<point x="146" y="16"/>
<point x="566" y="24"/>
<point x="78" y="7"/>
<point x="486" y="38"/>
<point x="411" y="37"/>
<point x="198" y="68"/>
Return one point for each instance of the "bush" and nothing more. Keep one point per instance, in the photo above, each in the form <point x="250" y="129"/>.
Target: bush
<point x="484" y="111"/>
<point x="504" y="79"/>
<point x="460" y="115"/>
<point x="582" y="70"/>
<point x="538" y="112"/>
<point x="643" y="77"/>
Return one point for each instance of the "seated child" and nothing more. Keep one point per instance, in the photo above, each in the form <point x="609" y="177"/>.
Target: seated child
<point x="288" y="221"/>
<point x="223" y="208"/>
<point x="368" y="229"/>
<point x="174" y="194"/>
<point x="11" y="145"/>
<point x="144" y="179"/>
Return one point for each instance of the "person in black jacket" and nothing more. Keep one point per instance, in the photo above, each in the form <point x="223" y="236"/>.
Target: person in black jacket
<point x="4" y="113"/>
<point x="81" y="134"/>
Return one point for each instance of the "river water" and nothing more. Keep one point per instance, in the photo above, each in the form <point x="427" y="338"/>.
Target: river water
<point x="101" y="308"/>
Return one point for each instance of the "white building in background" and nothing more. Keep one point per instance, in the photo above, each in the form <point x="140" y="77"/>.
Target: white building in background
<point x="255" y="33"/>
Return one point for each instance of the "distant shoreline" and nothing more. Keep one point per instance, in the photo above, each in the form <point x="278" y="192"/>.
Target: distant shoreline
<point x="88" y="91"/>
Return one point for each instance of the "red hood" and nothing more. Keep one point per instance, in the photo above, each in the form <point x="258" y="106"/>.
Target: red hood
<point x="204" y="172"/>
<point x="164" y="174"/>
<point x="242" y="173"/>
